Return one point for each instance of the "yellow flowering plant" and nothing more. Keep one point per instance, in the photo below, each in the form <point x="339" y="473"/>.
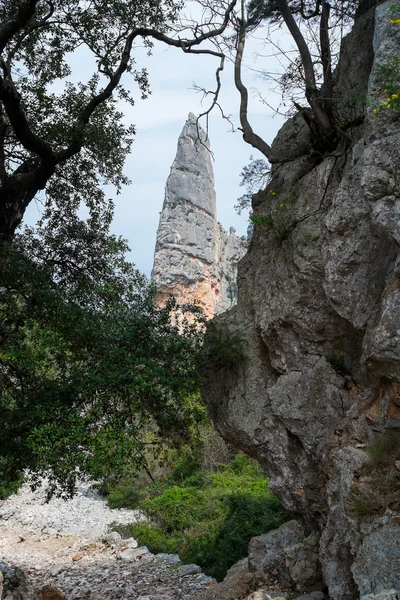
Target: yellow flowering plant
<point x="281" y="216"/>
<point x="392" y="102"/>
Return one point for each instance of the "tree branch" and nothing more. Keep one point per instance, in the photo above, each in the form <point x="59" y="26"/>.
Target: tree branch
<point x="186" y="45"/>
<point x="326" y="51"/>
<point x="12" y="103"/>
<point x="3" y="131"/>
<point x="16" y="23"/>
<point x="249" y="136"/>
<point x="37" y="145"/>
<point x="312" y="93"/>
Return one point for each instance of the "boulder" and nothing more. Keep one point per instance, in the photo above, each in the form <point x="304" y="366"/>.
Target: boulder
<point x="372" y="574"/>
<point x="15" y="585"/>
<point x="266" y="552"/>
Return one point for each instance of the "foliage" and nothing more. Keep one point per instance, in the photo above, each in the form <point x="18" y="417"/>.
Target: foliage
<point x="209" y="518"/>
<point x="389" y="73"/>
<point x="281" y="216"/>
<point x="378" y="488"/>
<point x="10" y="480"/>
<point x="66" y="135"/>
<point x="222" y="350"/>
<point x="88" y="360"/>
<point x="254" y="177"/>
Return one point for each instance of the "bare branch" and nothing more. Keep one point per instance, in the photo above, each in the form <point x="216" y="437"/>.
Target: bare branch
<point x="105" y="94"/>
<point x="312" y="92"/>
<point x="49" y="157"/>
<point x="248" y="134"/>
<point x="326" y="50"/>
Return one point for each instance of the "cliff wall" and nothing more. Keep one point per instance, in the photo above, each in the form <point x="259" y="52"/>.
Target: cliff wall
<point x="316" y="399"/>
<point x="195" y="259"/>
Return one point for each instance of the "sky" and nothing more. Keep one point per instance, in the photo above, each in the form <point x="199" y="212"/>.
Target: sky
<point x="159" y="121"/>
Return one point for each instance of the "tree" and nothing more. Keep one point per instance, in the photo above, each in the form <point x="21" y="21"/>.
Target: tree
<point x="91" y="370"/>
<point x="313" y="69"/>
<point x="67" y="137"/>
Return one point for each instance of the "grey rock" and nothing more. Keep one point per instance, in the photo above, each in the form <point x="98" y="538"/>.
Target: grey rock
<point x="15" y="585"/>
<point x="372" y="574"/>
<point x="266" y="551"/>
<point x="170" y="559"/>
<point x="302" y="564"/>
<point x="284" y="549"/>
<point x="130" y="542"/>
<point x="195" y="259"/>
<point x="239" y="568"/>
<point x="129" y="590"/>
<point x="318" y="311"/>
<point x="312" y="596"/>
<point x="189" y="569"/>
<point x="383" y="595"/>
<point x="259" y="595"/>
<point x="111" y="538"/>
<point x="56" y="570"/>
<point x="134" y="553"/>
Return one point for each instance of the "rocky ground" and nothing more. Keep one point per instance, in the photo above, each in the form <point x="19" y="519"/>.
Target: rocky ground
<point x="67" y="551"/>
<point x="66" y="544"/>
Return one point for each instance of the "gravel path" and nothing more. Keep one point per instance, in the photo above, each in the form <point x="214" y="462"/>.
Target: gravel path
<point x="86" y="514"/>
<point x="65" y="544"/>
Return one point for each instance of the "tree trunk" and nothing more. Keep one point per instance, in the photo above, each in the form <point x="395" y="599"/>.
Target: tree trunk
<point x="13" y="203"/>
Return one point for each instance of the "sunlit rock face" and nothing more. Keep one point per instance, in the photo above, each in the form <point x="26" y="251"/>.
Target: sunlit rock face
<point x="319" y="317"/>
<point x="195" y="260"/>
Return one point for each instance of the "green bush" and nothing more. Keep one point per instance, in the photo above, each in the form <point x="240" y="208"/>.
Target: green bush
<point x="187" y="465"/>
<point x="210" y="517"/>
<point x="10" y="487"/>
<point x="176" y="509"/>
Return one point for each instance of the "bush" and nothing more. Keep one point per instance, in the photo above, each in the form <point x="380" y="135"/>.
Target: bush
<point x="378" y="485"/>
<point x="10" y="480"/>
<point x="210" y="517"/>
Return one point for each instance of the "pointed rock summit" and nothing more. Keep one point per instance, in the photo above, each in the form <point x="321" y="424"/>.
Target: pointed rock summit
<point x="195" y="260"/>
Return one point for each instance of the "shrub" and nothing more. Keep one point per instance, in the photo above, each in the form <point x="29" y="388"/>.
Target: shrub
<point x="378" y="487"/>
<point x="10" y="485"/>
<point x="210" y="521"/>
<point x="281" y="217"/>
<point x="223" y="351"/>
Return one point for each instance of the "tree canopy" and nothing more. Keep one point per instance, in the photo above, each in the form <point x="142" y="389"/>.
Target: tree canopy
<point x="91" y="369"/>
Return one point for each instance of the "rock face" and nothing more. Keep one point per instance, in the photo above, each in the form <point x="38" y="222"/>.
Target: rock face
<point x="287" y="551"/>
<point x="319" y="318"/>
<point x="195" y="260"/>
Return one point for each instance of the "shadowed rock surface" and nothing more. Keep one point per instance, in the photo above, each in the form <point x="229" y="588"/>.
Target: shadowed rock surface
<point x="195" y="259"/>
<point x="319" y="315"/>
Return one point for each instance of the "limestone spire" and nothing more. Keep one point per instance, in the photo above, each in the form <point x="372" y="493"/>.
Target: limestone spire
<point x="190" y="242"/>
